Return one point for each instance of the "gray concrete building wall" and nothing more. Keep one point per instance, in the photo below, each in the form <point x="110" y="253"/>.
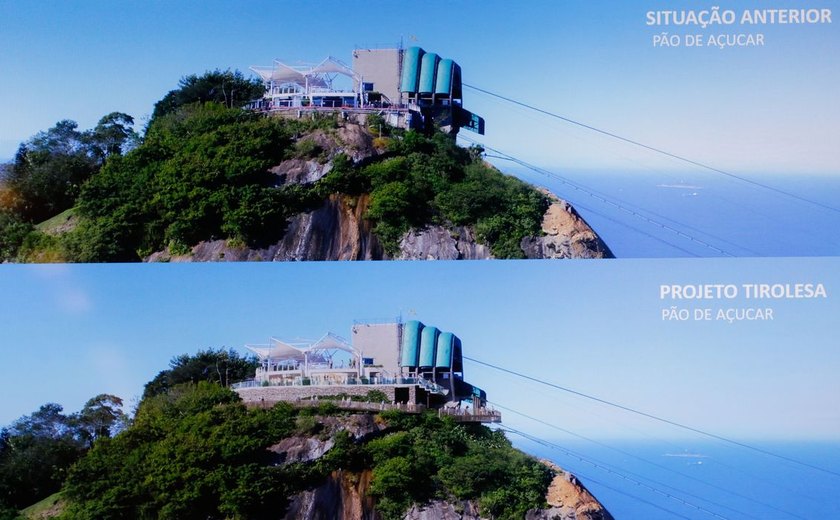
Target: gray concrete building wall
<point x="380" y="67"/>
<point x="380" y="341"/>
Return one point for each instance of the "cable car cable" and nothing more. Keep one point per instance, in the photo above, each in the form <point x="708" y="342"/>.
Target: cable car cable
<point x="660" y="466"/>
<point x="605" y="200"/>
<point x="618" y="474"/>
<point x="654" y="149"/>
<point x="657" y="418"/>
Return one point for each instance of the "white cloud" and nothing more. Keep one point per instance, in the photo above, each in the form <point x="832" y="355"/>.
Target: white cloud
<point x="66" y="292"/>
<point x="73" y="300"/>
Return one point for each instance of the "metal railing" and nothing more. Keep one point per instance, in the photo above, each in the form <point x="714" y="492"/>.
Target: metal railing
<point x="483" y="415"/>
<point x="375" y="381"/>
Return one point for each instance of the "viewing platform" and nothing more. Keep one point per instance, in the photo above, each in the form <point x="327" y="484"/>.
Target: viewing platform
<point x="393" y="365"/>
<point x="464" y="415"/>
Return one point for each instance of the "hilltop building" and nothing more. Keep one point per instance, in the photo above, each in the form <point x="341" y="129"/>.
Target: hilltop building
<point x="410" y="87"/>
<point x="414" y="365"/>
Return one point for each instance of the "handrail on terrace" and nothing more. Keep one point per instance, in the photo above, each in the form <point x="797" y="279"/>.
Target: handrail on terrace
<point x="251" y="383"/>
<point x="341" y="108"/>
<point x="484" y="415"/>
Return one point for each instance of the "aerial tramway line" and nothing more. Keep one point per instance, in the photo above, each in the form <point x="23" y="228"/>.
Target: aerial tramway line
<point x="668" y="226"/>
<point x="706" y="507"/>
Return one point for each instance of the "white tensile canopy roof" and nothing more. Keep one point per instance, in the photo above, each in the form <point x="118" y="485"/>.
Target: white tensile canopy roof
<point x="303" y="75"/>
<point x="298" y="350"/>
<point x="333" y="66"/>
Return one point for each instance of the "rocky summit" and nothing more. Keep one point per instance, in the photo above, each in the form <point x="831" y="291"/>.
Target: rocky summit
<point x="339" y="225"/>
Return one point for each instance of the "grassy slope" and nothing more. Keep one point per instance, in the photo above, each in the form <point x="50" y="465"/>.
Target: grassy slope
<point x="58" y="223"/>
<point x="46" y="508"/>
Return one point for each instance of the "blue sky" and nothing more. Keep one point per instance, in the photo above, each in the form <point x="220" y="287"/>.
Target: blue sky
<point x="768" y="113"/>
<point x="756" y="109"/>
<point x="68" y="332"/>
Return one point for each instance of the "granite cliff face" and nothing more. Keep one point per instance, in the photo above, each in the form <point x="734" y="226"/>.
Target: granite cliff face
<point x="338" y="229"/>
<point x="566" y="235"/>
<point x="335" y="231"/>
<point x="350" y="494"/>
<point x="345" y="494"/>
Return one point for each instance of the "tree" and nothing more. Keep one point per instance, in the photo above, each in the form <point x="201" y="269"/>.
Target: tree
<point x="49" y="170"/>
<point x="13" y="232"/>
<point x="232" y="89"/>
<point x="113" y="135"/>
<point x="194" y="452"/>
<point x="219" y="366"/>
<point x="35" y="453"/>
<point x="202" y="173"/>
<point x="101" y="417"/>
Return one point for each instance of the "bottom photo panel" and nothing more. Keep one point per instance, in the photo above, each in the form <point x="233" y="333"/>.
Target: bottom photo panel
<point x="627" y="389"/>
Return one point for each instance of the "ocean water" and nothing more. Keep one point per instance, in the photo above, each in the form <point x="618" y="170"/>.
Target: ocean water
<point x="654" y="480"/>
<point x="666" y="214"/>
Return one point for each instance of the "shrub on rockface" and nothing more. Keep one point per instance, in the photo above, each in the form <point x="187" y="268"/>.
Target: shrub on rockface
<point x="430" y="180"/>
<point x="195" y="452"/>
<point x="201" y="173"/>
<point x="432" y="457"/>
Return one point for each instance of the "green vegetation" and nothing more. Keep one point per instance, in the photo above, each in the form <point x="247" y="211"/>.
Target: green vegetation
<point x="231" y="89"/>
<point x="37" y="450"/>
<point x="49" y="169"/>
<point x="430" y="180"/>
<point x="201" y="172"/>
<point x="213" y="365"/>
<point x="13" y="232"/>
<point x="46" y="178"/>
<point x="194" y="451"/>
<point x="47" y="506"/>
<point x="430" y="457"/>
<point x="435" y="181"/>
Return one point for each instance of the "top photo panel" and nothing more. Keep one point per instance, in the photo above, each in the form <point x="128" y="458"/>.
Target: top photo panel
<point x="286" y="131"/>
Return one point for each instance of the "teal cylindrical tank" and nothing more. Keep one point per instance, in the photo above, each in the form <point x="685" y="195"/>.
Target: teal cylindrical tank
<point x="457" y="356"/>
<point x="411" y="69"/>
<point x="457" y="90"/>
<point x="445" y="346"/>
<point x="428" y="71"/>
<point x="410" y="344"/>
<point x="428" y="344"/>
<point x="443" y="81"/>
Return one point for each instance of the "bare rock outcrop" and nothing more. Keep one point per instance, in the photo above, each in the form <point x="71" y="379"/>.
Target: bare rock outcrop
<point x="338" y="229"/>
<point x="300" y="171"/>
<point x="441" y="243"/>
<point x="568" y="499"/>
<point x="345" y="495"/>
<point x="300" y="449"/>
<point x="441" y="510"/>
<point x="335" y="231"/>
<point x="566" y="235"/>
<point x="342" y="496"/>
